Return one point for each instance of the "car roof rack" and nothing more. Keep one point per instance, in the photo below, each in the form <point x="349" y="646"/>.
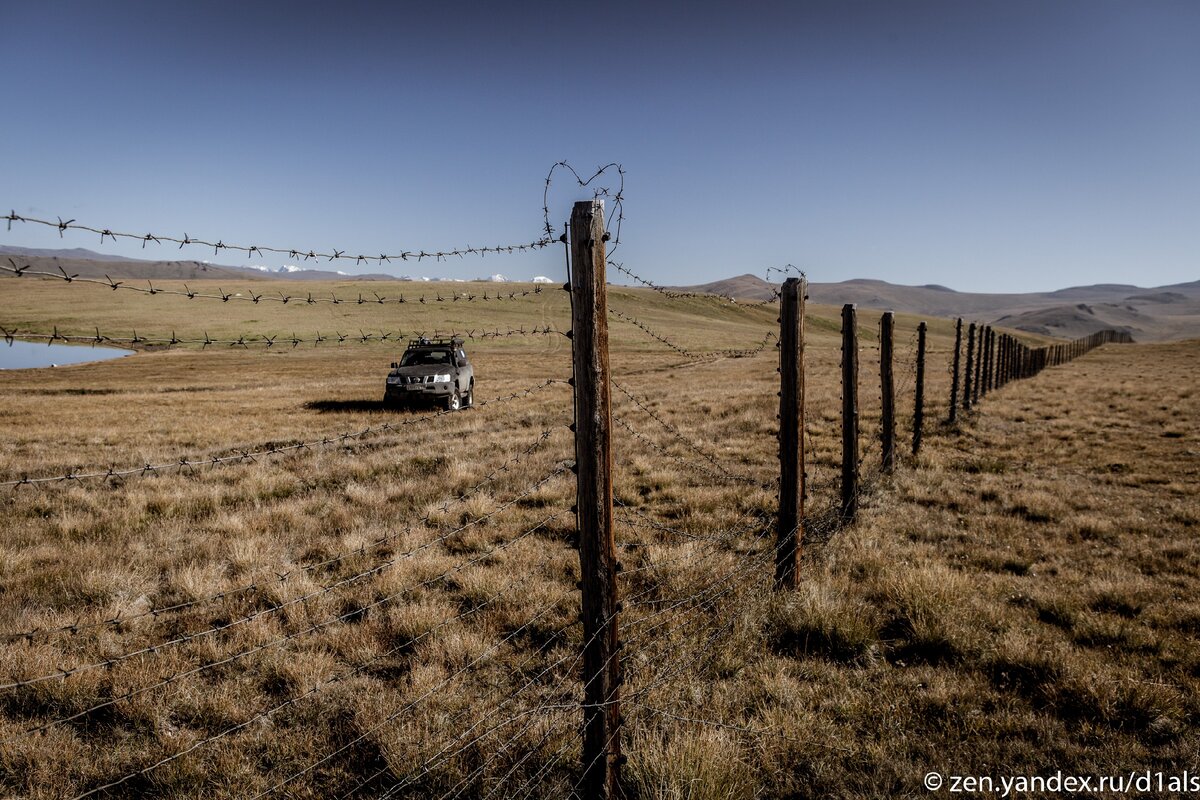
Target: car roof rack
<point x="425" y="341"/>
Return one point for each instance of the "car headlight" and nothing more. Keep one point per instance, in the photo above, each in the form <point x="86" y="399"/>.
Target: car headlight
<point x="394" y="379"/>
<point x="445" y="378"/>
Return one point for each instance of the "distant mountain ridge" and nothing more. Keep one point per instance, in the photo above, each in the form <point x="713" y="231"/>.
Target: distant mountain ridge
<point x="1154" y="314"/>
<point x="72" y="253"/>
<point x="90" y="264"/>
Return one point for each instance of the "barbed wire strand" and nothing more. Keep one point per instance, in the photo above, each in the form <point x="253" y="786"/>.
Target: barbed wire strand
<point x="686" y="463"/>
<point x="246" y="341"/>
<point x="292" y="701"/>
<point x="431" y="763"/>
<point x="443" y="507"/>
<point x="248" y="295"/>
<point x="691" y="445"/>
<point x="408" y="706"/>
<point x="245" y="619"/>
<point x="303" y="254"/>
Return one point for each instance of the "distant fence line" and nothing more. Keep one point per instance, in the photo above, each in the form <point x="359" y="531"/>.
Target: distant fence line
<point x="995" y="359"/>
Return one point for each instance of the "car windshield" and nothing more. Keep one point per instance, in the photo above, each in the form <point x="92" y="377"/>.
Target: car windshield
<point x="417" y="358"/>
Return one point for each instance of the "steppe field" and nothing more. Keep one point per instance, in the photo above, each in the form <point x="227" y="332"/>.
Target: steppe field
<point x="396" y="614"/>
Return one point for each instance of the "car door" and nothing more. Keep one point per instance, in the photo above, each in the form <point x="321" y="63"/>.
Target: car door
<point x="464" y="371"/>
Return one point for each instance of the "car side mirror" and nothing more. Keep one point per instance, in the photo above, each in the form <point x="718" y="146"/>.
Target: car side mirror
<point x="461" y="362"/>
<point x="395" y="365"/>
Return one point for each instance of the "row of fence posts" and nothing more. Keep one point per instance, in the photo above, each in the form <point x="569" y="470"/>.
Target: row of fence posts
<point x="887" y="428"/>
<point x="992" y="360"/>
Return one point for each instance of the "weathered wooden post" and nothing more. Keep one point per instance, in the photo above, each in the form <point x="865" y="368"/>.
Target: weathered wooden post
<point x="978" y="366"/>
<point x="981" y="386"/>
<point x="919" y="394"/>
<point x="597" y="549"/>
<point x="849" y="412"/>
<point x="1008" y="360"/>
<point x="992" y="361"/>
<point x="954" y="377"/>
<point x="970" y="367"/>
<point x="887" y="391"/>
<point x="791" y="432"/>
<point x="989" y="362"/>
<point x="999" y="367"/>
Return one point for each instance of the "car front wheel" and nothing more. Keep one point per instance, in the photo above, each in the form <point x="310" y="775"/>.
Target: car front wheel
<point x="454" y="401"/>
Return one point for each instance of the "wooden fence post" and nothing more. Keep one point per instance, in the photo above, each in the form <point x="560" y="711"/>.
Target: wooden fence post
<point x="791" y="432"/>
<point x="978" y="365"/>
<point x="887" y="390"/>
<point x="981" y="387"/>
<point x="593" y="460"/>
<point x="989" y="362"/>
<point x="970" y="367"/>
<point x="1005" y="358"/>
<point x="919" y="394"/>
<point x="849" y="412"/>
<point x="992" y="361"/>
<point x="957" y="370"/>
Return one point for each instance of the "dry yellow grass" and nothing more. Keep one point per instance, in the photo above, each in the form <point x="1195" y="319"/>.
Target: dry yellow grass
<point x="397" y="612"/>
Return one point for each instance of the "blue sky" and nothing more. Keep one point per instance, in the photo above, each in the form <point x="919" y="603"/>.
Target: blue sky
<point x="986" y="146"/>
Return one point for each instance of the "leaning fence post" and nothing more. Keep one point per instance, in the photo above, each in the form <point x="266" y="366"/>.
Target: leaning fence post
<point x="887" y="388"/>
<point x="791" y="432"/>
<point x="597" y="550"/>
<point x="954" y="377"/>
<point x="919" y="394"/>
<point x="849" y="412"/>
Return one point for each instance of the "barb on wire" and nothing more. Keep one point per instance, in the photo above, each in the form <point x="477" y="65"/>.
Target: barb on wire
<point x="304" y="254"/>
<point x="685" y="463"/>
<point x="678" y="294"/>
<point x="613" y="225"/>
<point x="691" y="445"/>
<point x="654" y="335"/>
<point x="674" y="295"/>
<point x="242" y="456"/>
<point x="707" y="355"/>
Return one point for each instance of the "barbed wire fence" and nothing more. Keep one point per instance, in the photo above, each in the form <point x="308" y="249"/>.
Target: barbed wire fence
<point x="463" y="731"/>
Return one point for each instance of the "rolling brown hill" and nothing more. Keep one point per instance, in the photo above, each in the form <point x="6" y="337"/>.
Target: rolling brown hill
<point x="1157" y="314"/>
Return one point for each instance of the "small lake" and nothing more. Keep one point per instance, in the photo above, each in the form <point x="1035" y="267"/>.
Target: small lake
<point x="29" y="355"/>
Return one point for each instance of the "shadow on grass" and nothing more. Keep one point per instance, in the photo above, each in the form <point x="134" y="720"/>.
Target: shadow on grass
<point x="346" y="406"/>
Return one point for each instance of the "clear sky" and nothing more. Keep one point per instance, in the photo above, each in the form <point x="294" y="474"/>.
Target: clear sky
<point x="982" y="145"/>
